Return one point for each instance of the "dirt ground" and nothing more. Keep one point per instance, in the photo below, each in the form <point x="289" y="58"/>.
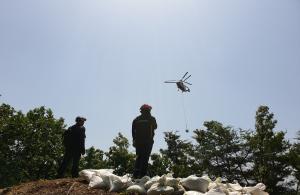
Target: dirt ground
<point x="66" y="186"/>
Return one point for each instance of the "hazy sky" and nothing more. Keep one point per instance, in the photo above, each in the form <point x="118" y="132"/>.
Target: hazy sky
<point x="103" y="59"/>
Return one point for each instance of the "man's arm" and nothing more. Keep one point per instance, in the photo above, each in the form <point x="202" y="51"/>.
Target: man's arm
<point x="154" y="124"/>
<point x="66" y="137"/>
<point x="82" y="141"/>
<point x="133" y="132"/>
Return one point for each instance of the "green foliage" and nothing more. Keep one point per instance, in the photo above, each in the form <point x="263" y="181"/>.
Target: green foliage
<point x="118" y="156"/>
<point x="295" y="161"/>
<point x="270" y="152"/>
<point x="159" y="165"/>
<point x="10" y="145"/>
<point x="30" y="144"/>
<point x="31" y="148"/>
<point x="93" y="159"/>
<point x="178" y="153"/>
<point x="221" y="152"/>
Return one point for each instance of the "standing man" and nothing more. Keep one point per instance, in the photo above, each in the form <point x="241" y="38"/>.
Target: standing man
<point x="74" y="142"/>
<point x="143" y="128"/>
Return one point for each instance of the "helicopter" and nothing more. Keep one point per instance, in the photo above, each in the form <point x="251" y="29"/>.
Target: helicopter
<point x="181" y="83"/>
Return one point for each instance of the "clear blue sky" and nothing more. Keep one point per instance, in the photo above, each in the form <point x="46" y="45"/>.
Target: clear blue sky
<point x="103" y="59"/>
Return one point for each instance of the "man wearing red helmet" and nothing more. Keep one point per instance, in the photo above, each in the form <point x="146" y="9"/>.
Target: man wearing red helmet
<point x="143" y="128"/>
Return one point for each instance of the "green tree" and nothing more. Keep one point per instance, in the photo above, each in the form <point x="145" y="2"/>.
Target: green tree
<point x="270" y="158"/>
<point x="30" y="144"/>
<point x="11" y="145"/>
<point x="118" y="156"/>
<point x="43" y="143"/>
<point x="221" y="152"/>
<point x="295" y="161"/>
<point x="159" y="165"/>
<point x="178" y="153"/>
<point x="93" y="159"/>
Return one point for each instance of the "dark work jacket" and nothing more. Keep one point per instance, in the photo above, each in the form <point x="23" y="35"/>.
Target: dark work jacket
<point x="77" y="139"/>
<point x="143" y="128"/>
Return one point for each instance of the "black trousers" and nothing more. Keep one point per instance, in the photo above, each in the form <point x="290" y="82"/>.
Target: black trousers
<point x="69" y="156"/>
<point x="142" y="157"/>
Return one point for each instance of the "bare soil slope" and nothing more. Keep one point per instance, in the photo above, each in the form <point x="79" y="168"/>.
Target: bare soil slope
<point x="66" y="186"/>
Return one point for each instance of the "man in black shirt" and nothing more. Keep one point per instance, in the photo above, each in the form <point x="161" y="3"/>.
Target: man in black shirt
<point x="74" y="142"/>
<point x="143" y="128"/>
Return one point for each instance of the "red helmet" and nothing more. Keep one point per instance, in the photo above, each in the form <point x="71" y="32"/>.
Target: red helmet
<point x="145" y="107"/>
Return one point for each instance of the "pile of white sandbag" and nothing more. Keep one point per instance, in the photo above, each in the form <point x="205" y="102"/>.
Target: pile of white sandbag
<point x="105" y="179"/>
<point x="166" y="184"/>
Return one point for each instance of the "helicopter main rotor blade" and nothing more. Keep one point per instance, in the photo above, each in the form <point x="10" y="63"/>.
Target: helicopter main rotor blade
<point x="171" y="81"/>
<point x="187" y="83"/>
<point x="184" y="75"/>
<point x="187" y="78"/>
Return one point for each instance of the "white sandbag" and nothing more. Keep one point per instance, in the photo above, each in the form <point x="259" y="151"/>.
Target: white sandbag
<point x="105" y="178"/>
<point x="119" y="183"/>
<point x="178" y="190"/>
<point x="92" y="170"/>
<point x="235" y="193"/>
<point x="254" y="191"/>
<point x="216" y="183"/>
<point x="142" y="181"/>
<point x="261" y="186"/>
<point x="219" y="190"/>
<point x="86" y="174"/>
<point x="234" y="186"/>
<point x="157" y="189"/>
<point x="106" y="175"/>
<point x="115" y="183"/>
<point x="195" y="183"/>
<point x="212" y="185"/>
<point x="162" y="180"/>
<point x="138" y="186"/>
<point x="101" y="172"/>
<point x="97" y="182"/>
<point x="193" y="193"/>
<point x="136" y="189"/>
<point x="206" y="178"/>
<point x="153" y="180"/>
<point x="173" y="182"/>
<point x="126" y="180"/>
<point x="215" y="193"/>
